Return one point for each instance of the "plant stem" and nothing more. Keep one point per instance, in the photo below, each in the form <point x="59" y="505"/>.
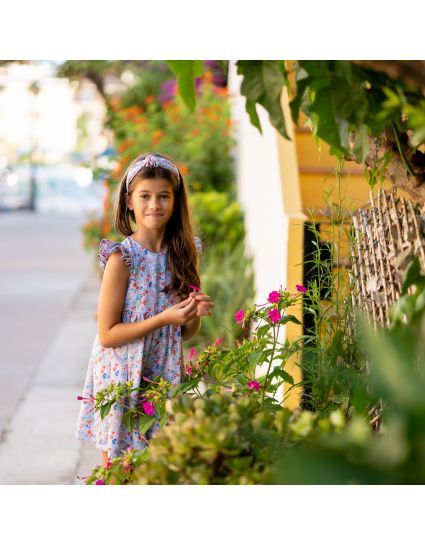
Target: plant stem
<point x="270" y="364"/>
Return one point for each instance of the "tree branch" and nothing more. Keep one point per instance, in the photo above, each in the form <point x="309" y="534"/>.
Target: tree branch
<point x="409" y="72"/>
<point x="395" y="170"/>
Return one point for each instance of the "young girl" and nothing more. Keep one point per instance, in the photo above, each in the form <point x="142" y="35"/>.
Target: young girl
<point x="146" y="306"/>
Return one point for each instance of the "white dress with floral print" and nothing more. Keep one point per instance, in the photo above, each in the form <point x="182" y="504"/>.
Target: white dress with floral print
<point x="158" y="353"/>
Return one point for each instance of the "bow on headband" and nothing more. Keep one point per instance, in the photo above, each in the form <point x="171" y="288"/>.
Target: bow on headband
<point x="149" y="161"/>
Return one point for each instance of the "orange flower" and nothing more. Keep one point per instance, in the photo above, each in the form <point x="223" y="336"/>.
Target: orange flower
<point x="157" y="137"/>
<point x="132" y="111"/>
<point x="183" y="169"/>
<point x="105" y="229"/>
<point x="208" y="76"/>
<point x="140" y="119"/>
<point x="221" y="91"/>
<point x="195" y="132"/>
<point x="125" y="144"/>
<point x="149" y="99"/>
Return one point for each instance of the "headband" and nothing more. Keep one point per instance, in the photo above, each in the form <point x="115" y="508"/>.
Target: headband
<point x="150" y="161"/>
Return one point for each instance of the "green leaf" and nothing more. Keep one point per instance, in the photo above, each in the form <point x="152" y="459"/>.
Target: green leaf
<point x="278" y="372"/>
<point x="104" y="410"/>
<point x="262" y="83"/>
<point x="393" y="374"/>
<point x="250" y="107"/>
<point x="411" y="275"/>
<point x="128" y="420"/>
<point x="261" y="330"/>
<point x="145" y="422"/>
<point x="324" y="116"/>
<point x="289" y="318"/>
<point x="186" y="72"/>
<point x="254" y="358"/>
<point x="361" y="145"/>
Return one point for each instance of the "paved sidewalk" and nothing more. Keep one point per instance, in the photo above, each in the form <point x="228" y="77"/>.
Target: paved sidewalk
<point x="39" y="446"/>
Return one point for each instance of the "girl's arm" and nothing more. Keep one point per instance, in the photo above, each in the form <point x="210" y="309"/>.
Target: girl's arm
<point x="112" y="332"/>
<point x="191" y="328"/>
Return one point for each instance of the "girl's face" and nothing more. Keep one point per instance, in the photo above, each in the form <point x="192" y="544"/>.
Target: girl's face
<point x="152" y="201"/>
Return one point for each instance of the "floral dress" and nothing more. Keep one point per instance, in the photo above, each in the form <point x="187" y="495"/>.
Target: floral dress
<point x="158" y="353"/>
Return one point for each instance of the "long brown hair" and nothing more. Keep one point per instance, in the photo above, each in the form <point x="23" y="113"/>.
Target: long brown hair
<point x="183" y="262"/>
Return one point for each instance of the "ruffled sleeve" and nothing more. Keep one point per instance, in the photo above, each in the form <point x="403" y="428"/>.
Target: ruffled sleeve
<point x="198" y="245"/>
<point x="109" y="246"/>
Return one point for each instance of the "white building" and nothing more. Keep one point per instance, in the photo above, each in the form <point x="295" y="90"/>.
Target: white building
<point x="41" y="113"/>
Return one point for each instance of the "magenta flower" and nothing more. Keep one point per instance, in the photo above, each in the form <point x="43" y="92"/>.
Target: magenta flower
<point x="195" y="288"/>
<point x="100" y="481"/>
<point x="91" y="398"/>
<point x="274" y="297"/>
<point x="274" y="315"/>
<point x="189" y="370"/>
<point x="192" y="352"/>
<point x="239" y="316"/>
<point x="218" y="341"/>
<point x="108" y="464"/>
<point x="254" y="385"/>
<point x="301" y="288"/>
<point x="149" y="408"/>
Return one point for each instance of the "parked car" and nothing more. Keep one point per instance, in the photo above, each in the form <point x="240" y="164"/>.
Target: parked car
<point x="61" y="188"/>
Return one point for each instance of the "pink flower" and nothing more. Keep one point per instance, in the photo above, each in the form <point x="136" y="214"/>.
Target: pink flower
<point x="149" y="408"/>
<point x="254" y="385"/>
<point x="100" y="481"/>
<point x="192" y="352"/>
<point x="108" y="464"/>
<point x="301" y="288"/>
<point x="274" y="315"/>
<point x="239" y="316"/>
<point x="127" y="467"/>
<point x="195" y="288"/>
<point x="274" y="297"/>
<point x="189" y="370"/>
<point x="218" y="341"/>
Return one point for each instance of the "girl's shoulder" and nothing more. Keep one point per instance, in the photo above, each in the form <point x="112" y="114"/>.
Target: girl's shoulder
<point x="107" y="247"/>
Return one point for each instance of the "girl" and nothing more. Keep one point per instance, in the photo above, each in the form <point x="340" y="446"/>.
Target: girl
<point x="146" y="304"/>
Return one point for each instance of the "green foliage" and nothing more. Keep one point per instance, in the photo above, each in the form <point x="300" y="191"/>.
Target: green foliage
<point x="354" y="455"/>
<point x="219" y="220"/>
<point x="221" y="369"/>
<point x="234" y="434"/>
<point x="215" y="440"/>
<point x="262" y="84"/>
<point x="229" y="275"/>
<point x="221" y="440"/>
<point x="344" y="104"/>
<point x="186" y="72"/>
<point x="148" y="84"/>
<point x="333" y="375"/>
<point x="200" y="143"/>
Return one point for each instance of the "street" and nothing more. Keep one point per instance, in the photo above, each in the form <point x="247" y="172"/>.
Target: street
<point x="48" y="297"/>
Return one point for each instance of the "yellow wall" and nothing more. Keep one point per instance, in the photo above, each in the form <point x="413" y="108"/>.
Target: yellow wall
<point x="306" y="173"/>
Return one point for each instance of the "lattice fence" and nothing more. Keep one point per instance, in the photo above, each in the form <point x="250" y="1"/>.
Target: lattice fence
<point x="388" y="235"/>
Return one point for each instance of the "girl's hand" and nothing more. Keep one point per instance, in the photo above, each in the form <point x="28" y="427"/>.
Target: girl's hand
<point x="204" y="303"/>
<point x="181" y="313"/>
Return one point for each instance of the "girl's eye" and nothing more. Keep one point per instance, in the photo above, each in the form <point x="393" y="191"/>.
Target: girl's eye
<point x="164" y="196"/>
